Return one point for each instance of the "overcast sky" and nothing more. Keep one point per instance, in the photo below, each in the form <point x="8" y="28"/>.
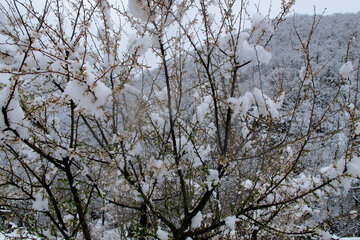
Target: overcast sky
<point x="307" y="6"/>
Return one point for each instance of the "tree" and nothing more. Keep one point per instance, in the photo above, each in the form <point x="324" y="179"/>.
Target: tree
<point x="93" y="139"/>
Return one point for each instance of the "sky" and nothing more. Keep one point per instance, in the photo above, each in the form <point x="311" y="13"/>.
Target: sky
<point x="307" y="6"/>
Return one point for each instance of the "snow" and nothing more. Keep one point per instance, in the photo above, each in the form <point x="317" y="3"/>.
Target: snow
<point x="106" y="11"/>
<point x="243" y="50"/>
<point x="230" y="222"/>
<point x="346" y="69"/>
<point x="350" y="238"/>
<point x="247" y="184"/>
<point x="203" y="108"/>
<point x="136" y="8"/>
<point x="90" y="95"/>
<point x="68" y="218"/>
<point x="18" y="233"/>
<point x="161" y="234"/>
<point x="327" y="236"/>
<point x="40" y="204"/>
<point x="260" y="23"/>
<point x="138" y="44"/>
<point x="353" y="167"/>
<point x="242" y="104"/>
<point x="213" y="178"/>
<point x="203" y="152"/>
<point x="262" y="55"/>
<point x="357" y="130"/>
<point x="145" y="188"/>
<point x="15" y="114"/>
<point x="249" y="52"/>
<point x="302" y="72"/>
<point x="245" y="131"/>
<point x="265" y="104"/>
<point x="334" y="170"/>
<point x="158" y="121"/>
<point x="196" y="221"/>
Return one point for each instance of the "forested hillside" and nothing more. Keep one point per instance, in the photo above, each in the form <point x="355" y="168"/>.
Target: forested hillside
<point x="233" y="134"/>
<point x="335" y="40"/>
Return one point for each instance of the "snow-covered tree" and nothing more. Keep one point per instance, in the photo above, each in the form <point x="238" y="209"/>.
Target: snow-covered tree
<point x="151" y="121"/>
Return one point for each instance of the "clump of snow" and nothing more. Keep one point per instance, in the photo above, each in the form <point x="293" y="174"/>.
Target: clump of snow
<point x="265" y="104"/>
<point x="145" y="187"/>
<point x="242" y="104"/>
<point x="247" y="184"/>
<point x="243" y="50"/>
<point x="137" y="196"/>
<point x="253" y="53"/>
<point x="136" y="149"/>
<point x="346" y="69"/>
<point x="40" y="204"/>
<point x="138" y="9"/>
<point x="334" y="170"/>
<point x="68" y="218"/>
<point x="158" y="121"/>
<point x="15" y="114"/>
<point x="203" y="108"/>
<point x="161" y="234"/>
<point x="245" y="131"/>
<point x="260" y="23"/>
<point x="325" y="235"/>
<point x="104" y="5"/>
<point x="353" y="214"/>
<point x="18" y="233"/>
<point x="302" y="72"/>
<point x="138" y="44"/>
<point x="304" y="75"/>
<point x="196" y="221"/>
<point x="213" y="178"/>
<point x="354" y="167"/>
<point x="230" y="222"/>
<point x="202" y="153"/>
<point x="90" y="95"/>
<point x="262" y="55"/>
<point x="357" y="129"/>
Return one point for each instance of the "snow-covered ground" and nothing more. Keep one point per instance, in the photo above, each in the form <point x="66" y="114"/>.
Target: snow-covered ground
<point x="25" y="236"/>
<point x="17" y="234"/>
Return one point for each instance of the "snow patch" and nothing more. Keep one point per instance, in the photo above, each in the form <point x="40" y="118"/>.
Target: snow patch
<point x="260" y="23"/>
<point x="230" y="222"/>
<point x="161" y="234"/>
<point x="346" y="69"/>
<point x="196" y="221"/>
<point x="137" y="9"/>
<point x="213" y="178"/>
<point x="247" y="184"/>
<point x="203" y="108"/>
<point x="15" y="114"/>
<point x="40" y="204"/>
<point x="138" y="44"/>
<point x="90" y="95"/>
